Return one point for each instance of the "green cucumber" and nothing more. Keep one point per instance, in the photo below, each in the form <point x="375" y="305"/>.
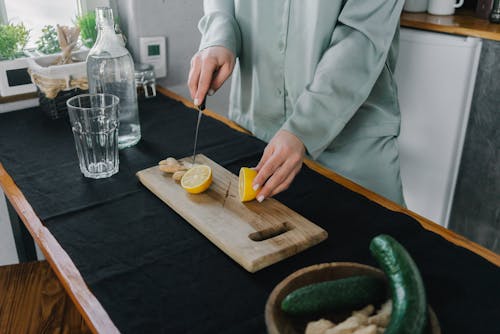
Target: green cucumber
<point x="335" y="295"/>
<point x="409" y="304"/>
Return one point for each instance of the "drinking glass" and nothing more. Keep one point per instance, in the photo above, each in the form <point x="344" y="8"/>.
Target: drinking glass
<point x="145" y="80"/>
<point x="94" y="121"/>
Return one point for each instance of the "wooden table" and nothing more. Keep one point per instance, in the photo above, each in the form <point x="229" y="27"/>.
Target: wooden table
<point x="91" y="309"/>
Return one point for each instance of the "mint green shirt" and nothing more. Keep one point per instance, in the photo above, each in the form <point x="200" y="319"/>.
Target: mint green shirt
<point x="320" y="69"/>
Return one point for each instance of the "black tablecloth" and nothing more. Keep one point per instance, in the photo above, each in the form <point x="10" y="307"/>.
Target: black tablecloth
<point x="154" y="273"/>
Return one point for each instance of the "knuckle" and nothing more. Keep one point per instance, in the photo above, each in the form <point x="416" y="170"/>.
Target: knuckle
<point x="285" y="186"/>
<point x="195" y="59"/>
<point x="297" y="159"/>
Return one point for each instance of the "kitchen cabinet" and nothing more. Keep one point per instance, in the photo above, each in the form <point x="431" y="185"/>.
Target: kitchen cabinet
<point x="475" y="207"/>
<point x="435" y="75"/>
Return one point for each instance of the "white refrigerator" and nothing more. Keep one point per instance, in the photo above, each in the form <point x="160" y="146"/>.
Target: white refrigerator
<point x="435" y="75"/>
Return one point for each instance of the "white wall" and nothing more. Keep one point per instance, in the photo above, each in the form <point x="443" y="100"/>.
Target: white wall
<point x="177" y="20"/>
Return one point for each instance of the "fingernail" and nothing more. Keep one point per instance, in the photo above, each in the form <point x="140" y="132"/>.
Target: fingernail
<point x="196" y="102"/>
<point x="211" y="92"/>
<point x="255" y="187"/>
<point x="260" y="198"/>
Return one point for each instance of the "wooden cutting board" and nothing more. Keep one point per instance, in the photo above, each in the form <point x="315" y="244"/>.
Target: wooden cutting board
<point x="254" y="234"/>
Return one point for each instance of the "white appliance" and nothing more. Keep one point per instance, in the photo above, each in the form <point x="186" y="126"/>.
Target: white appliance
<point x="153" y="51"/>
<point x="435" y="74"/>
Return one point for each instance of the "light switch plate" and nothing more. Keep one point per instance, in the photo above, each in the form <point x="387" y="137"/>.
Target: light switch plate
<point x="153" y="51"/>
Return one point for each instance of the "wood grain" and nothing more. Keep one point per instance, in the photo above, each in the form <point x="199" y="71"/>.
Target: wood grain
<point x="424" y="222"/>
<point x="462" y="23"/>
<point x="92" y="311"/>
<point x="253" y="234"/>
<point x="32" y="300"/>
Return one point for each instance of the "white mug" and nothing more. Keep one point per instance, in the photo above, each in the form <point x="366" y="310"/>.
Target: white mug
<point x="443" y="7"/>
<point x="415" y="6"/>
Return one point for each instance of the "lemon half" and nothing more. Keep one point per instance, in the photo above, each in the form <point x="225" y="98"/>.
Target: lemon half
<point x="245" y="188"/>
<point x="197" y="179"/>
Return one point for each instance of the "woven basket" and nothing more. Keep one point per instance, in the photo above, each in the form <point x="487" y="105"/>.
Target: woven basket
<point x="57" y="83"/>
<point x="56" y="108"/>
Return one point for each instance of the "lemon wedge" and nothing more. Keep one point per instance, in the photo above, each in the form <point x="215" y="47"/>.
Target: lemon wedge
<point x="197" y="179"/>
<point x="245" y="188"/>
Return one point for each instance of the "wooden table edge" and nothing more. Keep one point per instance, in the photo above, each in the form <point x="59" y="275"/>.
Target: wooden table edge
<point x="425" y="223"/>
<point x="87" y="304"/>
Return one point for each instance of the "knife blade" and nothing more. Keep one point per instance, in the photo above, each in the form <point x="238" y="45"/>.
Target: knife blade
<point x="200" y="108"/>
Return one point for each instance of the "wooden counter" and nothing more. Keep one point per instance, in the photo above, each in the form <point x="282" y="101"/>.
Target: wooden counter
<point x="462" y="23"/>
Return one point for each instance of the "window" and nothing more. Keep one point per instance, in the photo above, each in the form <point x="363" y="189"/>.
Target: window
<point x="35" y="14"/>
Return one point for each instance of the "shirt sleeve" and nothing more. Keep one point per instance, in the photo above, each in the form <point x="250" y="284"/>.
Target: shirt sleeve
<point x="219" y="27"/>
<point x="346" y="73"/>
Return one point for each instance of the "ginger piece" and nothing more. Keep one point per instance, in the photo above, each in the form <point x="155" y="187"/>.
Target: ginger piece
<point x="177" y="176"/>
<point x="318" y="327"/>
<point x="370" y="329"/>
<point x="171" y="168"/>
<point x="383" y="315"/>
<point x="357" y="320"/>
<point x="171" y="165"/>
<point x="348" y="326"/>
<point x="364" y="312"/>
<point x="169" y="162"/>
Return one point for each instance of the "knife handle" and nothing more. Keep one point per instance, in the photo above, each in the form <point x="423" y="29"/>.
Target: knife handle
<point x="202" y="105"/>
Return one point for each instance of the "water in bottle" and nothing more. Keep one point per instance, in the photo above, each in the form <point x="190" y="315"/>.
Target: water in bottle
<point x="110" y="69"/>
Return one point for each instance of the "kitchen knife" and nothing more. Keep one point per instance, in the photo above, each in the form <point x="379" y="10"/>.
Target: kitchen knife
<point x="200" y="108"/>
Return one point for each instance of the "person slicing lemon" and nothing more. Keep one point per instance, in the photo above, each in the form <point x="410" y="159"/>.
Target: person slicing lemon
<point x="309" y="77"/>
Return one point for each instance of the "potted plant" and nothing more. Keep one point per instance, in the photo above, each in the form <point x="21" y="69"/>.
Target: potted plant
<point x="13" y="39"/>
<point x="88" y="31"/>
<point x="48" y="43"/>
<point x="14" y="78"/>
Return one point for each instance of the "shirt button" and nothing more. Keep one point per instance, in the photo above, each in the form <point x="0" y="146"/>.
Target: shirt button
<point x="279" y="92"/>
<point x="281" y="45"/>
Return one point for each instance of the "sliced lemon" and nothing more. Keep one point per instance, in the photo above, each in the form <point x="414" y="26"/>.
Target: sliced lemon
<point x="245" y="188"/>
<point x="197" y="179"/>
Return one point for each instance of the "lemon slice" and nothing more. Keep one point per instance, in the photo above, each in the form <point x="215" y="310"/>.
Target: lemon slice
<point x="245" y="189"/>
<point x="197" y="179"/>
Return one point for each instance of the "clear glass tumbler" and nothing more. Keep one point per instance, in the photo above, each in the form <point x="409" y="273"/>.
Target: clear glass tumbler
<point x="94" y="121"/>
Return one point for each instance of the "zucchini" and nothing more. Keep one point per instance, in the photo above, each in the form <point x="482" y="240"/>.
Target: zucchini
<point x="335" y="295"/>
<point x="409" y="304"/>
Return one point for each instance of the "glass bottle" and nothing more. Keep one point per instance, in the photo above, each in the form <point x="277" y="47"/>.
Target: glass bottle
<point x="110" y="69"/>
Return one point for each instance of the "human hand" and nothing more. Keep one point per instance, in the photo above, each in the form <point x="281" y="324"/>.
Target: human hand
<point x="210" y="67"/>
<point x="280" y="163"/>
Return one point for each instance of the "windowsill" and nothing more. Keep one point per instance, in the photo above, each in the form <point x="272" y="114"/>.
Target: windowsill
<point x="16" y="98"/>
<point x="17" y="102"/>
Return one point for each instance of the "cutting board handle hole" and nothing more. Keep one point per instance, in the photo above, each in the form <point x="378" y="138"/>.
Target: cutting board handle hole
<point x="271" y="232"/>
